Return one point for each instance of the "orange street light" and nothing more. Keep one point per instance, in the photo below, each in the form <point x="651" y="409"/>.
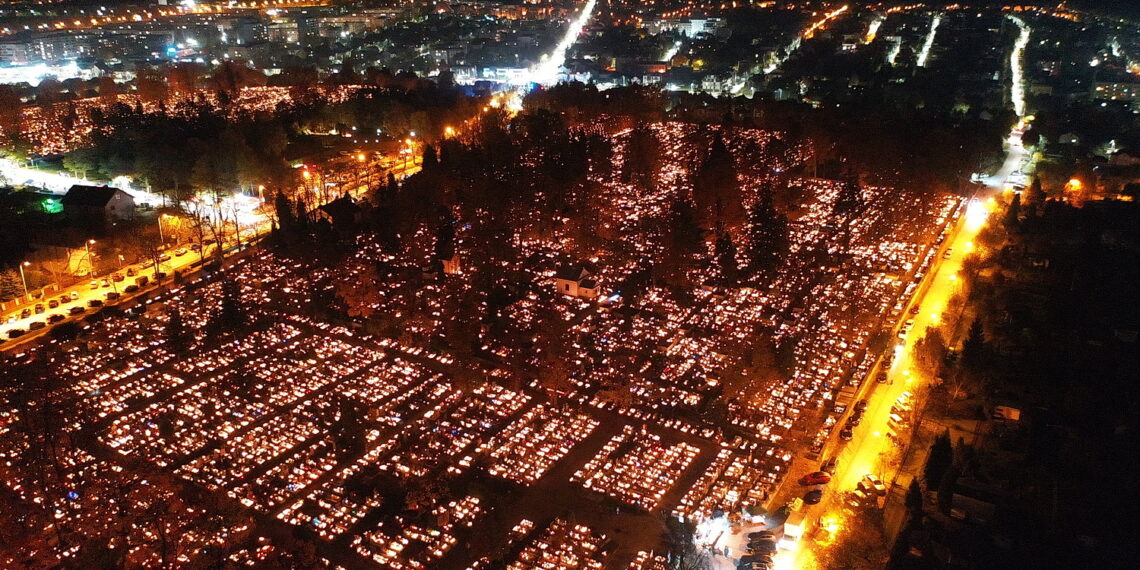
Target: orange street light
<point x="360" y="157"/>
<point x="448" y="132"/>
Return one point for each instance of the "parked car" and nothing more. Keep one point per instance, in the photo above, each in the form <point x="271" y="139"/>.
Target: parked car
<point x="814" y="478"/>
<point x="846" y="434"/>
<point x="75" y="295"/>
<point x="164" y="257"/>
<point x="766" y="534"/>
<point x="813" y="497"/>
<point x="55" y="318"/>
<point x="112" y="295"/>
<point x="95" y="303"/>
<point x="947" y="253"/>
<point x="25" y="313"/>
<point x="77" y="310"/>
<point x="872" y="484"/>
<point x="53" y="303"/>
<point x="915" y="310"/>
<point x="15" y="333"/>
<point x="40" y="308"/>
<point x="142" y="280"/>
<point x="180" y="252"/>
<point x="131" y="272"/>
<point x="830" y="465"/>
<point x="131" y="288"/>
<point x="65" y="298"/>
<point x="105" y="283"/>
<point x="117" y="277"/>
<point x="93" y="285"/>
<point x="36" y="325"/>
<point x="861" y="406"/>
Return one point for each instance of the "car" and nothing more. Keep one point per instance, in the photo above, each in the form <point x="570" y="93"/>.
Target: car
<point x="881" y="377"/>
<point x="95" y="303"/>
<point x="947" y="253"/>
<point x="159" y="275"/>
<point x="180" y="252"/>
<point x="861" y="406"/>
<point x="131" y="288"/>
<point x="142" y="280"/>
<point x="761" y="546"/>
<point x="830" y="465"/>
<point x="813" y="497"/>
<point x="75" y="310"/>
<point x="93" y="285"/>
<point x="75" y="295"/>
<point x="105" y="283"/>
<point x="915" y="310"/>
<point x="872" y="484"/>
<point x="36" y="325"/>
<point x="16" y="333"/>
<point x="55" y="318"/>
<point x="25" y="313"/>
<point x="131" y="272"/>
<point x="767" y="534"/>
<point x="846" y="434"/>
<point x="65" y="298"/>
<point x="164" y="257"/>
<point x="112" y="295"/>
<point x="855" y="420"/>
<point x="814" y="478"/>
<point x="117" y="277"/>
<point x="53" y="303"/>
<point x="195" y="247"/>
<point x="40" y="308"/>
<point x="858" y="497"/>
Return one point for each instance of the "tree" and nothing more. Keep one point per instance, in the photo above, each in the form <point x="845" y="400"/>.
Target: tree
<point x="716" y="189"/>
<point x="930" y="351"/>
<point x="681" y="242"/>
<point x="974" y="347"/>
<point x="940" y="460"/>
<point x="178" y="335"/>
<point x="767" y="234"/>
<point x="914" y="498"/>
<point x="849" y="200"/>
<point x="726" y="257"/>
<point x="10" y="285"/>
<point x="1011" y="220"/>
<point x="231" y="315"/>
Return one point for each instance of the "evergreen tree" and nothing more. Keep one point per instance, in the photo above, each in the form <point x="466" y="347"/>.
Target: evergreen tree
<point x="940" y="460"/>
<point x="231" y="315"/>
<point x="716" y="189"/>
<point x="430" y="160"/>
<point x="284" y="210"/>
<point x="726" y="257"/>
<point x="682" y="241"/>
<point x="767" y="233"/>
<point x="914" y="498"/>
<point x="973" y="348"/>
<point x="1011" y="221"/>
<point x="1036" y="194"/>
<point x="10" y="285"/>
<point x="178" y="335"/>
<point x="849" y="200"/>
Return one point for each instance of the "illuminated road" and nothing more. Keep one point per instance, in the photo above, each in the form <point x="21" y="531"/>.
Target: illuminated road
<point x="862" y="454"/>
<point x="1017" y="75"/>
<point x="549" y="69"/>
<point x="255" y="225"/>
<point x="924" y="53"/>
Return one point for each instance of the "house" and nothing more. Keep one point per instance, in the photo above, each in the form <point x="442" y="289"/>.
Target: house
<point x="576" y="281"/>
<point x="451" y="264"/>
<point x="342" y="212"/>
<point x="98" y="202"/>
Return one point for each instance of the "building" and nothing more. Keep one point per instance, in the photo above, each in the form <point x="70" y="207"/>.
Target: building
<point x="576" y="281"/>
<point x="98" y="202"/>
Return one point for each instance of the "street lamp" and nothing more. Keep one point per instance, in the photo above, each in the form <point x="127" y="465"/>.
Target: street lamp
<point x="90" y="259"/>
<point x="23" y="279"/>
